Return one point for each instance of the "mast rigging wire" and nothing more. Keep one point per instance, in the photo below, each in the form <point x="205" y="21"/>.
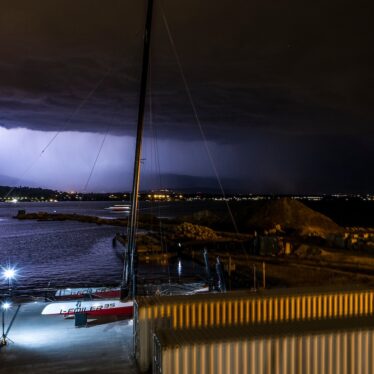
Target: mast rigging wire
<point x="197" y="118"/>
<point x="67" y="122"/>
<point x="96" y="159"/>
<point x="202" y="132"/>
<point x="77" y="109"/>
<point x="157" y="160"/>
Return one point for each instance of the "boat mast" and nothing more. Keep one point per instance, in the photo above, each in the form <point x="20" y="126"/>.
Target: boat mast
<point x="138" y="150"/>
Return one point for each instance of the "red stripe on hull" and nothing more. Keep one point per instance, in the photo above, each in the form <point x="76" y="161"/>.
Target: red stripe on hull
<point x="125" y="311"/>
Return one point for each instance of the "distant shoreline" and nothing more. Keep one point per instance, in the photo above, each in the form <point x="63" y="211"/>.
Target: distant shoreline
<point x="44" y="216"/>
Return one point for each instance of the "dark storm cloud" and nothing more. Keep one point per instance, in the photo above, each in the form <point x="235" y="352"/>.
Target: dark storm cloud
<point x="283" y="88"/>
<point x="279" y="66"/>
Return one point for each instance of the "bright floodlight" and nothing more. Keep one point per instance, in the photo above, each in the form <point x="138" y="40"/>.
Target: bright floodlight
<point x="5" y="305"/>
<point x="9" y="273"/>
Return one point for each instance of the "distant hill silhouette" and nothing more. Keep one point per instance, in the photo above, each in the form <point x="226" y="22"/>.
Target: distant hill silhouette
<point x="10" y="191"/>
<point x="292" y="215"/>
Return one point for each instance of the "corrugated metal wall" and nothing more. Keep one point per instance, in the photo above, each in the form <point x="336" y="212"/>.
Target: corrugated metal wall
<point x="242" y="310"/>
<point x="350" y="352"/>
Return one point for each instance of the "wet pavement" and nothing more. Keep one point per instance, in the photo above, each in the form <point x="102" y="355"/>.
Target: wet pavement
<point x="52" y="344"/>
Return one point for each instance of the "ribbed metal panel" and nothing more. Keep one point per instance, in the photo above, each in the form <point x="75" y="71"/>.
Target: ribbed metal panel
<point x="218" y="310"/>
<point x="335" y="352"/>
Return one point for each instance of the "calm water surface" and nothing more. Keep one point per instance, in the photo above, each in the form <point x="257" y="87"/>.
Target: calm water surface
<point x="66" y="253"/>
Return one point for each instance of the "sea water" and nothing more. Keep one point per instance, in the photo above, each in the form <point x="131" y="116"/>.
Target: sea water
<point x="67" y="253"/>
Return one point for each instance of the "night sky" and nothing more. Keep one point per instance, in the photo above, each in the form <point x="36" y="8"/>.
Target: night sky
<point x="284" y="91"/>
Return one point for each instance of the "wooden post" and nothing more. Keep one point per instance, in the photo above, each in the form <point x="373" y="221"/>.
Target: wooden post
<point x="263" y="274"/>
<point x="229" y="272"/>
<point x="254" y="277"/>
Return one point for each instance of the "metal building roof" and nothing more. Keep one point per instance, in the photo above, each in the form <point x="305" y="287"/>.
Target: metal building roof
<point x="243" y="294"/>
<point x="175" y="338"/>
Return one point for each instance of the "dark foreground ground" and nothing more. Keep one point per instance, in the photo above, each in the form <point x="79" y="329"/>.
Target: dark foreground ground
<point x="45" y="344"/>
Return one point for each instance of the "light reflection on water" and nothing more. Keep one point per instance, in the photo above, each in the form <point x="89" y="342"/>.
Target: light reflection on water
<point x="179" y="268"/>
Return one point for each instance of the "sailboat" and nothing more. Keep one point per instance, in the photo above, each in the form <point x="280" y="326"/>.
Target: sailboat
<point x="119" y="208"/>
<point x="121" y="298"/>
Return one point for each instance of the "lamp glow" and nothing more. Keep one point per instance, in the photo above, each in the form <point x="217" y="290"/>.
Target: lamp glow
<point x="9" y="273"/>
<point x="5" y="306"/>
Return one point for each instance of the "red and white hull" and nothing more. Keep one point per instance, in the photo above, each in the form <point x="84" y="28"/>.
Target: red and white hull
<point x="93" y="308"/>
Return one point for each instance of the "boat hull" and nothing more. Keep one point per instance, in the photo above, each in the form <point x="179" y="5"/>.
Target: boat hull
<point x="96" y="308"/>
<point x="95" y="293"/>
